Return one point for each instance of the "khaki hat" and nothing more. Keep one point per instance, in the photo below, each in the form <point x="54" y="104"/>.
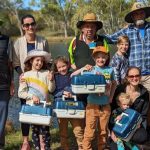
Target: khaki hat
<point x="137" y="6"/>
<point x="99" y="49"/>
<point x="90" y="17"/>
<point x="1" y="21"/>
<point x="38" y="53"/>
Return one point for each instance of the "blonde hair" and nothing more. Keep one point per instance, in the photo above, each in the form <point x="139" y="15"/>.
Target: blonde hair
<point x="122" y="39"/>
<point x="124" y="98"/>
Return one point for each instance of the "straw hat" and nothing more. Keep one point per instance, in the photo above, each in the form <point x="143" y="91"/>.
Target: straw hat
<point x="99" y="49"/>
<point x="90" y="17"/>
<point x="137" y="6"/>
<point x="38" y="53"/>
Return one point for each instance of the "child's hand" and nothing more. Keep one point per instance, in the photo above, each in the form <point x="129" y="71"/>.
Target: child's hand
<point x="67" y="94"/>
<point x="50" y="75"/>
<point x="113" y="136"/>
<point x="21" y="78"/>
<point x="35" y="99"/>
<point x="88" y="67"/>
<point x="118" y="118"/>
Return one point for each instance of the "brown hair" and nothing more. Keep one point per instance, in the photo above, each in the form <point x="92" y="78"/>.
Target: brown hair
<point x="122" y="39"/>
<point x="28" y="65"/>
<point x="60" y="59"/>
<point x="123" y="97"/>
<point x="128" y="70"/>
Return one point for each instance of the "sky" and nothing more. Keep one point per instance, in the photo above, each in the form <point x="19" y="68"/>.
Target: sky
<point x="26" y="5"/>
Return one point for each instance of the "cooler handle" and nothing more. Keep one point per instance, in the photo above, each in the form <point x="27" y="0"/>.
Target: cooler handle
<point x="123" y="114"/>
<point x="74" y="97"/>
<point x="43" y="102"/>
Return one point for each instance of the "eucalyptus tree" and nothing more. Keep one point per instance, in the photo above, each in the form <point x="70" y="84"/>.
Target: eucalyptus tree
<point x="13" y="6"/>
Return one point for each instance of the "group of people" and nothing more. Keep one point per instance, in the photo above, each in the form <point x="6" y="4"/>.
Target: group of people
<point x="127" y="76"/>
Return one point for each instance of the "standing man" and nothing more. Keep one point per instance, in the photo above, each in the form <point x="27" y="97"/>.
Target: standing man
<point x="138" y="33"/>
<point x="6" y="82"/>
<point x="81" y="47"/>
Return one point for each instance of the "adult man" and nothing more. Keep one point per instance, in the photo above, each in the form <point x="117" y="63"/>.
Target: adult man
<point x="138" y="33"/>
<point x="6" y="82"/>
<point x="80" y="49"/>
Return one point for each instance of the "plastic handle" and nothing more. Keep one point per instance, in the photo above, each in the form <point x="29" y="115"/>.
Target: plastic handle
<point x="43" y="102"/>
<point x="117" y="122"/>
<point x="74" y="97"/>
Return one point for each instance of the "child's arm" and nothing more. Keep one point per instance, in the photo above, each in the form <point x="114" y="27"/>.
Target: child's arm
<point x="23" y="89"/>
<point x="86" y="67"/>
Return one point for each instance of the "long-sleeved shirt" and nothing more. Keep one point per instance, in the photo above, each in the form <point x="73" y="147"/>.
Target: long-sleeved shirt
<point x="36" y="83"/>
<point x="63" y="83"/>
<point x="139" y="52"/>
<point x="20" y="50"/>
<point x="120" y="65"/>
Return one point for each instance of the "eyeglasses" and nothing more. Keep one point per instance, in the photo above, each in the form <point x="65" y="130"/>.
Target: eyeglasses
<point x="134" y="76"/>
<point x="27" y="25"/>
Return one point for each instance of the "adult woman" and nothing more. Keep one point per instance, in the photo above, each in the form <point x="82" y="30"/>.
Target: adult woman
<point x="140" y="102"/>
<point x="22" y="46"/>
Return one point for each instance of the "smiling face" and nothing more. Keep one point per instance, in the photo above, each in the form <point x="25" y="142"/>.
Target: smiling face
<point x="37" y="63"/>
<point x="133" y="76"/>
<point x="62" y="67"/>
<point x="29" y="26"/>
<point x="100" y="59"/>
<point x="89" y="30"/>
<point x="123" y="47"/>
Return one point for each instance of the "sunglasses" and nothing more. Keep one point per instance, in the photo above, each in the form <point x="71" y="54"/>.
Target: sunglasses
<point x="134" y="76"/>
<point x="27" y="25"/>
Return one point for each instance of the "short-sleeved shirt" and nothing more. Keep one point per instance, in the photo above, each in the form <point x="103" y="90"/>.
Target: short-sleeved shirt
<point x="109" y="77"/>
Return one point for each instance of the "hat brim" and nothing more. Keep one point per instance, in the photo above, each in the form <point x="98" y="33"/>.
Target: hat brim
<point x="99" y="24"/>
<point x="44" y="54"/>
<point x="128" y="17"/>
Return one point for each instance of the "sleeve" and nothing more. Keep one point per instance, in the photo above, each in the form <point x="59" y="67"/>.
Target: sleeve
<point x="16" y="55"/>
<point x="115" y="64"/>
<point x="145" y="107"/>
<point x="51" y="86"/>
<point x="23" y="91"/>
<point x="114" y="37"/>
<point x="70" y="50"/>
<point x="46" y="48"/>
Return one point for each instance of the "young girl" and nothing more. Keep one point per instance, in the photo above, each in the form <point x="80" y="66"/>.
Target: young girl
<point x="35" y="87"/>
<point x="98" y="107"/>
<point x="63" y="87"/>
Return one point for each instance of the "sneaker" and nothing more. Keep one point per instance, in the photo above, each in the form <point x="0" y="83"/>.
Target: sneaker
<point x="25" y="146"/>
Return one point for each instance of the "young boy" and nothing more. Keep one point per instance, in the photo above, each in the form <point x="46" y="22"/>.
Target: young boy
<point x="124" y="102"/>
<point x="119" y="61"/>
<point x="98" y="107"/>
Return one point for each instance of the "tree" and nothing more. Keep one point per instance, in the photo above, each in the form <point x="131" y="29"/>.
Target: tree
<point x="12" y="6"/>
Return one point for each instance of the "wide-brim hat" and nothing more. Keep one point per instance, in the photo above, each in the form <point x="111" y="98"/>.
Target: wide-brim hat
<point x="38" y="53"/>
<point x="137" y="6"/>
<point x="99" y="49"/>
<point x="90" y="17"/>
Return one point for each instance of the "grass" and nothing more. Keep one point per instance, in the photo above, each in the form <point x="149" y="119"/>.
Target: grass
<point x="14" y="139"/>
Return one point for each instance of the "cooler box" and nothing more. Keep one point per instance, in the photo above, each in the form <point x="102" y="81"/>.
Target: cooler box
<point x="69" y="108"/>
<point x="36" y="114"/>
<point x="88" y="83"/>
<point x="126" y="127"/>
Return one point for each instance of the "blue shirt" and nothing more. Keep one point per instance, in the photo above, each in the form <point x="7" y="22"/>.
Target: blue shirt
<point x="109" y="76"/>
<point x="120" y="65"/>
<point x="139" y="52"/>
